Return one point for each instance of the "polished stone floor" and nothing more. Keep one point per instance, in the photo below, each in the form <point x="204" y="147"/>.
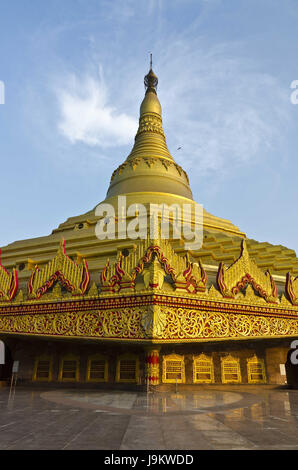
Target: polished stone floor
<point x="235" y="417"/>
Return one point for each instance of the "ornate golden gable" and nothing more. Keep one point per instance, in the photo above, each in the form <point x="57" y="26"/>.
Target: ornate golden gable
<point x="245" y="271"/>
<point x="186" y="276"/>
<point x="292" y="288"/>
<point x="75" y="278"/>
<point x="8" y="283"/>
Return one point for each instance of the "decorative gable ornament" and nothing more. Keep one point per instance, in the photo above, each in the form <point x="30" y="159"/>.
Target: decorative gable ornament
<point x="8" y="283"/>
<point x="73" y="277"/>
<point x="245" y="271"/>
<point x="154" y="259"/>
<point x="292" y="288"/>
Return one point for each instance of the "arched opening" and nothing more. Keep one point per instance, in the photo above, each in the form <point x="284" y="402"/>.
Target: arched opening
<point x="6" y="368"/>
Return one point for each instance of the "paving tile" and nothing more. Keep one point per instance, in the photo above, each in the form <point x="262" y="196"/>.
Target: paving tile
<point x="211" y="418"/>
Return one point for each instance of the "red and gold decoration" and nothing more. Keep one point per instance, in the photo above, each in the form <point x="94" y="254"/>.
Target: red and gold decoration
<point x="244" y="271"/>
<point x="153" y="259"/>
<point x="8" y="283"/>
<point x="73" y="277"/>
<point x="152" y="366"/>
<point x="193" y="279"/>
<point x="292" y="288"/>
<point x="115" y="278"/>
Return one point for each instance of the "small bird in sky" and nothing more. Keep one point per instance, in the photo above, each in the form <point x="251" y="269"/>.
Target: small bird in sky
<point x="179" y="148"/>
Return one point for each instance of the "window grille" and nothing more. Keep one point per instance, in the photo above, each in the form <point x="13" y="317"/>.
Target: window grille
<point x="173" y="369"/>
<point x="203" y="370"/>
<point x="256" y="370"/>
<point x="231" y="370"/>
<point x="69" y="369"/>
<point x="43" y="369"/>
<point x="97" y="369"/>
<point x="128" y="369"/>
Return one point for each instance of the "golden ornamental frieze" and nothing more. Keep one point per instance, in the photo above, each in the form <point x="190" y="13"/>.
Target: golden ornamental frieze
<point x="157" y="323"/>
<point x="231" y="280"/>
<point x="292" y="288"/>
<point x="150" y="162"/>
<point x="123" y="324"/>
<point x="73" y="277"/>
<point x="154" y="321"/>
<point x="8" y="283"/>
<point x="190" y="324"/>
<point x="150" y="123"/>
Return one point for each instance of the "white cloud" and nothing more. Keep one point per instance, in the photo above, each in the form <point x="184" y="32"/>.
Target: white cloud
<point x="87" y="116"/>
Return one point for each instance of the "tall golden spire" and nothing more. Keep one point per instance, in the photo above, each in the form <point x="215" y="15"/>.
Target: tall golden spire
<point x="150" y="139"/>
<point x="150" y="167"/>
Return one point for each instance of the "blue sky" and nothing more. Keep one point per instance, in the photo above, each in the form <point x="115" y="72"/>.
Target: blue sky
<point x="73" y="73"/>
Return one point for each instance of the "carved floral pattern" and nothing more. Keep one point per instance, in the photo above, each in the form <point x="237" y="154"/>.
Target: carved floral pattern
<point x="171" y="324"/>
<point x="183" y="324"/>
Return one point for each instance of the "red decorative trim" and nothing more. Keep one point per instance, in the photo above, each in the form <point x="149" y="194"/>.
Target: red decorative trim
<point x="154" y="249"/>
<point x="192" y="281"/>
<point x="152" y="359"/>
<point x="116" y="282"/>
<point x="139" y="300"/>
<point x="220" y="281"/>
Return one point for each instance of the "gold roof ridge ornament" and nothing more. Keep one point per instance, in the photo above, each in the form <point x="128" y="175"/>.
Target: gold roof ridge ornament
<point x="292" y="288"/>
<point x="186" y="276"/>
<point x="8" y="283"/>
<point x="75" y="278"/>
<point x="231" y="280"/>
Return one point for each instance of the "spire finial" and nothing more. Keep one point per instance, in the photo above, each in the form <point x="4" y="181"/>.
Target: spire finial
<point x="151" y="79"/>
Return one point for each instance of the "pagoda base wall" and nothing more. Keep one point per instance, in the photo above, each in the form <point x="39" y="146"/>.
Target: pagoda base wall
<point x="273" y="354"/>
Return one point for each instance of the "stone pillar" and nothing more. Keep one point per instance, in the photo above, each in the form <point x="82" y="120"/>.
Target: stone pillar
<point x="152" y="365"/>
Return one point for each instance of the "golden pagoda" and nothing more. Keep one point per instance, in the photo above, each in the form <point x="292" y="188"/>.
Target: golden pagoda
<point x="75" y="308"/>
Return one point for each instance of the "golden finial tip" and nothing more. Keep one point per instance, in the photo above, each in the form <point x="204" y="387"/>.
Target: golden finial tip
<point x="151" y="80"/>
